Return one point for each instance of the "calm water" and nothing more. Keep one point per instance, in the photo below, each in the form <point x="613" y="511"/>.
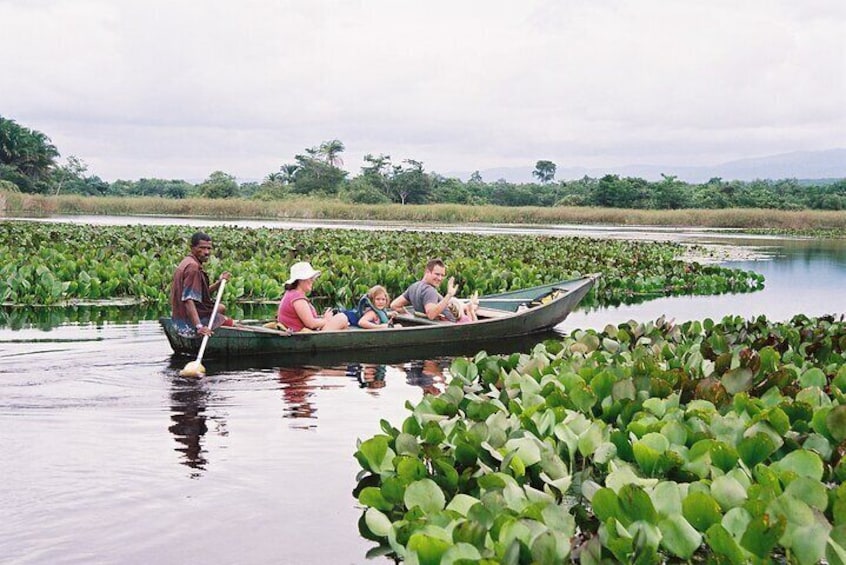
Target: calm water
<point x="109" y="457"/>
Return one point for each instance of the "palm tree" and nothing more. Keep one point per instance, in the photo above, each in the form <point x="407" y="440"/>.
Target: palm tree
<point x="288" y="173"/>
<point x="29" y="152"/>
<point x="331" y="151"/>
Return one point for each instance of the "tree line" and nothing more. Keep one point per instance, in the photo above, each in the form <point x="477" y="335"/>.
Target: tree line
<point x="29" y="162"/>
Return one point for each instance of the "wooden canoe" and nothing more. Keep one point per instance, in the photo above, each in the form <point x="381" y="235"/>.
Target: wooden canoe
<point x="501" y="316"/>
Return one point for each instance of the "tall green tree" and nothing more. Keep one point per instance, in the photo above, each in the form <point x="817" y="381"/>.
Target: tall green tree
<point x="670" y="193"/>
<point x="377" y="172"/>
<point x="219" y="185"/>
<point x="318" y="172"/>
<point x="27" y="156"/>
<point x="331" y="152"/>
<point x="288" y="173"/>
<point x="71" y="172"/>
<point x="544" y="171"/>
<point x="410" y="184"/>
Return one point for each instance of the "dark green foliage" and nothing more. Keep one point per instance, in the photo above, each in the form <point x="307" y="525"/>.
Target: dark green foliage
<point x="52" y="263"/>
<point x="741" y="482"/>
<point x="27" y="156"/>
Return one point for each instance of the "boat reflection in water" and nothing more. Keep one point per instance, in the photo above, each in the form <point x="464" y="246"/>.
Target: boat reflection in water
<point x="301" y="377"/>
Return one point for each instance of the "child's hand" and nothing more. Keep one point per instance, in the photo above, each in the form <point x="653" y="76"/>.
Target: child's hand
<point x="452" y="288"/>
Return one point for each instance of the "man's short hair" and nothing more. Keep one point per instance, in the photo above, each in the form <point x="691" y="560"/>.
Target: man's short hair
<point x="437" y="262"/>
<point x="198" y="237"/>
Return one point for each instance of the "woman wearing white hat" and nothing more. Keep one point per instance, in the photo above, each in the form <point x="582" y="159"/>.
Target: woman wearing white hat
<point x="295" y="309"/>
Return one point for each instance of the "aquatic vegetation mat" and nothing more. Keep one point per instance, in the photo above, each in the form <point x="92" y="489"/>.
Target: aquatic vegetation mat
<point x="56" y="264"/>
<point x="643" y="443"/>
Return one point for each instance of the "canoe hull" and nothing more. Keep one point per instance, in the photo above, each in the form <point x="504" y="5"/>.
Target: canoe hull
<point x="251" y="341"/>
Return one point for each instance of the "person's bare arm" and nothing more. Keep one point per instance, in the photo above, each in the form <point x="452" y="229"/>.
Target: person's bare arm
<point x="194" y="318"/>
<point x="399" y="303"/>
<point x="301" y="307"/>
<point x="435" y="309"/>
<point x="225" y="275"/>
<point x="370" y="320"/>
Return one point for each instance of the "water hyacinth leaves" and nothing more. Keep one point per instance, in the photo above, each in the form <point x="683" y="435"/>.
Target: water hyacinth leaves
<point x="424" y="494"/>
<point x="46" y="264"/>
<point x="528" y="458"/>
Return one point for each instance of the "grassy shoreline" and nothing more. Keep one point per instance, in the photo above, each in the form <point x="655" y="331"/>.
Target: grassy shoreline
<point x="795" y="221"/>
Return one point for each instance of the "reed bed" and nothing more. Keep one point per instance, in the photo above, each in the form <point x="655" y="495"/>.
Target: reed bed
<point x="31" y="205"/>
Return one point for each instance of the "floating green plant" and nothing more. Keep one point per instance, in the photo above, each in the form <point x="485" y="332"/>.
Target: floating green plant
<point x="55" y="264"/>
<point x="643" y="443"/>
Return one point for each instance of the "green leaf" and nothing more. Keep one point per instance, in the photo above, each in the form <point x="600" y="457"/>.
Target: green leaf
<point x="770" y="359"/>
<point x="762" y="534"/>
<point x="406" y="444"/>
<point x="426" y="494"/>
<point x="835" y="421"/>
<point x="409" y="468"/>
<point x="461" y="552"/>
<point x="544" y="549"/>
<point x="701" y="510"/>
<point x="378" y="523"/>
<point x="372" y="496"/>
<point x="462" y="503"/>
<point x="811" y="492"/>
<point x="728" y="492"/>
<point x="429" y="549"/>
<point x="722" y="543"/>
<point x="393" y="489"/>
<point x="636" y="505"/>
<point x="803" y="463"/>
<point x="605" y="505"/>
<point x="756" y="449"/>
<point x="372" y="453"/>
<point x="679" y="537"/>
<point x="527" y="449"/>
<point x="737" y="380"/>
<point x="666" y="497"/>
<point x="813" y="377"/>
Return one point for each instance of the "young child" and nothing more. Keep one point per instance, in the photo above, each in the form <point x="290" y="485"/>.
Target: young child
<point x="464" y="311"/>
<point x="373" y="309"/>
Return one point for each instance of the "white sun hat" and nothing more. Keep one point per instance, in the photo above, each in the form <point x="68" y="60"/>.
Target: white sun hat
<point x="301" y="271"/>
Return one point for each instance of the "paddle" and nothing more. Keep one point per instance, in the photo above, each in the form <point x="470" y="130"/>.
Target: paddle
<point x="195" y="368"/>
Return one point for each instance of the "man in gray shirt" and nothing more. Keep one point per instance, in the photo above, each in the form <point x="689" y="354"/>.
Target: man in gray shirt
<point x="423" y="295"/>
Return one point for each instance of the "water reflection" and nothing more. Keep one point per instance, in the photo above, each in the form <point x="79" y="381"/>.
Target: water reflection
<point x="428" y="375"/>
<point x="300" y="385"/>
<point x="46" y="319"/>
<point x="298" y="391"/>
<point x="370" y="377"/>
<point x="189" y="398"/>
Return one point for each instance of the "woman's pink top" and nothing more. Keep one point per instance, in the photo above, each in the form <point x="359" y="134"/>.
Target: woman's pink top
<point x="286" y="313"/>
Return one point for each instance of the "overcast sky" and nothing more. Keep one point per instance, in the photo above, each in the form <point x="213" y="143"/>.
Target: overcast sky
<point x="178" y="89"/>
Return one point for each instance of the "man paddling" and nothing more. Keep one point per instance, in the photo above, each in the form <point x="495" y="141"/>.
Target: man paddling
<point x="423" y="295"/>
<point x="191" y="299"/>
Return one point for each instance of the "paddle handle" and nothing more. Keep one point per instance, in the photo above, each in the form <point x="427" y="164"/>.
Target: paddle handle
<point x="211" y="320"/>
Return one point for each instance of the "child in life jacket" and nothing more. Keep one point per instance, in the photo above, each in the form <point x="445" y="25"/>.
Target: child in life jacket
<point x="372" y="311"/>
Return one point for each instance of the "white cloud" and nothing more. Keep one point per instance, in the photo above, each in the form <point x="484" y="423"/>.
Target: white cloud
<point x="179" y="89"/>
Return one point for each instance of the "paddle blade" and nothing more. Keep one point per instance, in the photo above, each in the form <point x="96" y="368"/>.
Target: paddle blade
<point x="193" y="369"/>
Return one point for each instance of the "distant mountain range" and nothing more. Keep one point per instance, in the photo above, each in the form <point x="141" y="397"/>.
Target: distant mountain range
<point x="803" y="165"/>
